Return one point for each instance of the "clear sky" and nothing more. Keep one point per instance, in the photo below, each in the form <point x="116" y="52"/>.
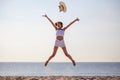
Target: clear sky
<point x="26" y="36"/>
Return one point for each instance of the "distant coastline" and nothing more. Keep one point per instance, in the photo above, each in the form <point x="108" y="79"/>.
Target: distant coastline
<point x="60" y="69"/>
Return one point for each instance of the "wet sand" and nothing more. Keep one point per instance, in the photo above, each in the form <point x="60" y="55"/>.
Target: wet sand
<point x="59" y="77"/>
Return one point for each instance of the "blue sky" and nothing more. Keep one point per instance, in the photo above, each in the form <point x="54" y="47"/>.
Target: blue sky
<point x="26" y="36"/>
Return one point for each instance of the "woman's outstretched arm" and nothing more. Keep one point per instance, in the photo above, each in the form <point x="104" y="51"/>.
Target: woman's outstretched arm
<point x="77" y="19"/>
<point x="50" y="20"/>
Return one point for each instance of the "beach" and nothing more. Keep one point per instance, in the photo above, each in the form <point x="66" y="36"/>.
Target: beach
<point x="59" y="71"/>
<point x="59" y="77"/>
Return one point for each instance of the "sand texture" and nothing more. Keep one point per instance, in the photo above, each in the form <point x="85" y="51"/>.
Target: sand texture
<point x="59" y="77"/>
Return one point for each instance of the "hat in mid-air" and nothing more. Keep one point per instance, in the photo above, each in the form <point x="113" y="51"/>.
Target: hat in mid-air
<point x="62" y="6"/>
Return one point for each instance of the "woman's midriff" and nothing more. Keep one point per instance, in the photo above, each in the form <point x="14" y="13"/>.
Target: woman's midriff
<point x="59" y="37"/>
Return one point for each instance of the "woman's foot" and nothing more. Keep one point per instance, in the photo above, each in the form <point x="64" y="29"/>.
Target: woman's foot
<point x="74" y="64"/>
<point x="46" y="63"/>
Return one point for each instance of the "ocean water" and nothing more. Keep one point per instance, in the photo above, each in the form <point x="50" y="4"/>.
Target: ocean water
<point x="59" y="69"/>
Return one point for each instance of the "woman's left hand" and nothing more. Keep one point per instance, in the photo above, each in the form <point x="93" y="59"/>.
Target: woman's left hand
<point x="77" y="19"/>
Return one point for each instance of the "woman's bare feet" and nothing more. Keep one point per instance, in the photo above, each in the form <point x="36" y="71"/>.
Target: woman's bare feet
<point x="46" y="63"/>
<point x="74" y="64"/>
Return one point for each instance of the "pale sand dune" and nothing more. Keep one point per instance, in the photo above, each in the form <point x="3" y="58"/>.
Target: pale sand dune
<point x="59" y="77"/>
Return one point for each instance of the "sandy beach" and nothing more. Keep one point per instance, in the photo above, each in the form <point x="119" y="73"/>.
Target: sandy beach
<point x="59" y="77"/>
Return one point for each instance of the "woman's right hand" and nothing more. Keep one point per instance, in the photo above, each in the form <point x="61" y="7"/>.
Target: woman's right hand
<point x="44" y="15"/>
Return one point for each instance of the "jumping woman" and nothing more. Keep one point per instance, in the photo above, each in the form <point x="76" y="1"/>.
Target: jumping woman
<point x="60" y="39"/>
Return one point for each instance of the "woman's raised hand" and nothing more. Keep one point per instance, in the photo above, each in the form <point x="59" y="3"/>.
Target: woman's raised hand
<point x="77" y="19"/>
<point x="44" y="15"/>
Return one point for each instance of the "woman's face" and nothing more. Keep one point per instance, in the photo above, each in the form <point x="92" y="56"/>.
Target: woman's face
<point x="59" y="25"/>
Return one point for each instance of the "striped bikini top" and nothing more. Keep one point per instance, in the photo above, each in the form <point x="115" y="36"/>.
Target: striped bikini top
<point x="60" y="32"/>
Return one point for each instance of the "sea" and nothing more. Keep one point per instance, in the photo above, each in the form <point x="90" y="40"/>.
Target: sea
<point x="60" y="69"/>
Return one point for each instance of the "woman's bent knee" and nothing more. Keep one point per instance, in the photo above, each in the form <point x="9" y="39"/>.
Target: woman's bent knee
<point x="67" y="55"/>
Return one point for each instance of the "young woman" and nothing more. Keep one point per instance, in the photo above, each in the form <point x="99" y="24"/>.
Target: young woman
<point x="60" y="39"/>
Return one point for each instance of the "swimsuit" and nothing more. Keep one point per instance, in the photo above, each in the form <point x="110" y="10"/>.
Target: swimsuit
<point x="60" y="32"/>
<point x="60" y="43"/>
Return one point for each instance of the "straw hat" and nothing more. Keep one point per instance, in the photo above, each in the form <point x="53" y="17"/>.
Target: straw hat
<point x="62" y="6"/>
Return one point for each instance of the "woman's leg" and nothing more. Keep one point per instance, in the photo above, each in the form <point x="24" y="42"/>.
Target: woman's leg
<point x="66" y="53"/>
<point x="54" y="52"/>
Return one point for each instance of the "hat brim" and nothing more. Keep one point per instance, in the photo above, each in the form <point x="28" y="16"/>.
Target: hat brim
<point x="62" y="6"/>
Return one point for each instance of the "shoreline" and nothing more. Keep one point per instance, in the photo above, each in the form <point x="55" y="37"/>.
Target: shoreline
<point x="59" y="77"/>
